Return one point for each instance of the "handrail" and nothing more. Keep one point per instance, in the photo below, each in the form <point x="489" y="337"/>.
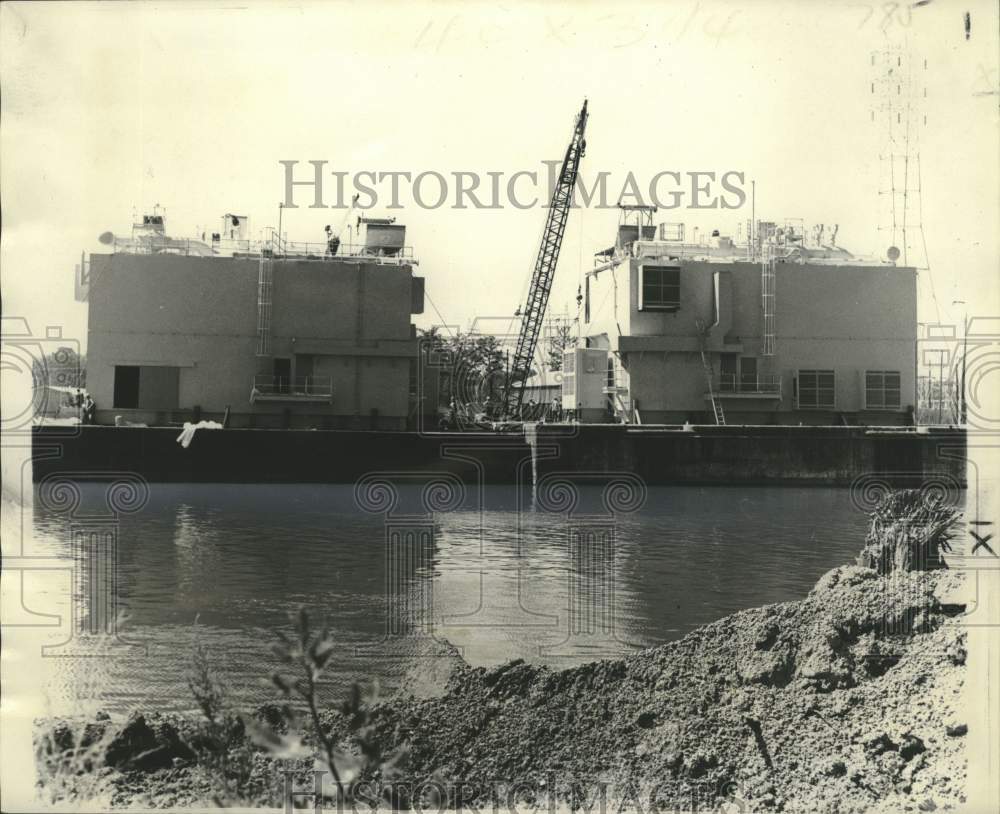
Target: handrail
<point x="321" y="386"/>
<point x="272" y="245"/>
<point x="735" y="383"/>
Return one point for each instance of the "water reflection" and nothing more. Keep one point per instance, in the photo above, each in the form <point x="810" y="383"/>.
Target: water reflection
<point x="557" y="584"/>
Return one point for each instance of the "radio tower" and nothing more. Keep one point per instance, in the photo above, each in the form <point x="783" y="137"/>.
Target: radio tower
<point x="898" y="92"/>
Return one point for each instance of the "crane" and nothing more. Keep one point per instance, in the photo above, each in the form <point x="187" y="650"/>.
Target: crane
<point x="545" y="266"/>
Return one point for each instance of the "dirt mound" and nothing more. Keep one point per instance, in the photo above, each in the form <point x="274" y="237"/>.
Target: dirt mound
<point x="848" y="700"/>
<point x="832" y="703"/>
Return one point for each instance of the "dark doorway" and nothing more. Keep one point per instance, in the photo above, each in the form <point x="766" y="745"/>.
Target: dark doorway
<point x="727" y="372"/>
<point x="748" y="373"/>
<point x="127" y="386"/>
<point x="282" y="375"/>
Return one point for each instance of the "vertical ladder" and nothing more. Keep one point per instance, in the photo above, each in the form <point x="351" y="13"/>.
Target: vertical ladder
<point x="767" y="296"/>
<point x="265" y="278"/>
<point x="720" y="416"/>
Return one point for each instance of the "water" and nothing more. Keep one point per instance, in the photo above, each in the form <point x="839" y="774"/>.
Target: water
<point x="499" y="581"/>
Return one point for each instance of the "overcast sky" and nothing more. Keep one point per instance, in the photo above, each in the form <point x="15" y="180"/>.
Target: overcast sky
<point x="108" y="109"/>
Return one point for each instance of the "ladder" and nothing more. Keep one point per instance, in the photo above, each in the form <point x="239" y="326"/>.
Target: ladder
<point x="720" y="416"/>
<point x="265" y="279"/>
<point x="767" y="296"/>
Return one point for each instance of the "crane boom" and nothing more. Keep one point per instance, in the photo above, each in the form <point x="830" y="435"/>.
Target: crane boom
<point x="545" y="266"/>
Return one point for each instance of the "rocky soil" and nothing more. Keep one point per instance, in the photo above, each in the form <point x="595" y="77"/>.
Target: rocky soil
<point x="848" y="700"/>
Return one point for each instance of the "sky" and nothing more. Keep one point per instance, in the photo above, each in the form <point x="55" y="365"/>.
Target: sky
<point x="108" y="109"/>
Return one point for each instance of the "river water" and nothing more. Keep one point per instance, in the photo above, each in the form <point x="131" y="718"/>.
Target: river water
<point x="491" y="574"/>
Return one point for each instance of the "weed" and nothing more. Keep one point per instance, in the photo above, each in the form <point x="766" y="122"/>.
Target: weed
<point x="308" y="654"/>
<point x="909" y="530"/>
<point x="220" y="746"/>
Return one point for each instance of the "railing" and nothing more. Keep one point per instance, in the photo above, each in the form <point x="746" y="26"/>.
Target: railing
<point x="319" y="387"/>
<point x="321" y="251"/>
<point x="732" y="383"/>
<point x="272" y="245"/>
<point x="170" y="245"/>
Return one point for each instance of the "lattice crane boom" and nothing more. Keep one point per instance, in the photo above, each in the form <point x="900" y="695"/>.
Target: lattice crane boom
<point x="545" y="266"/>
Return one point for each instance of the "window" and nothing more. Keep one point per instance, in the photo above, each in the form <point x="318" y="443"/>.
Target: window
<point x="881" y="389"/>
<point x="660" y="288"/>
<point x="816" y="389"/>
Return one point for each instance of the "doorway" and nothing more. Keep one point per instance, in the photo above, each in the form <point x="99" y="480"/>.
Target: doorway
<point x="282" y="375"/>
<point x="748" y="374"/>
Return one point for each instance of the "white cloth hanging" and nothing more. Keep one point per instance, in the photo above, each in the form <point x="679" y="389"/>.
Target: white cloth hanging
<point x="187" y="434"/>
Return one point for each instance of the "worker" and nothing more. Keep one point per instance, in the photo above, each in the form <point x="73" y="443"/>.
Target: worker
<point x="89" y="410"/>
<point x="556" y="409"/>
<point x="332" y="241"/>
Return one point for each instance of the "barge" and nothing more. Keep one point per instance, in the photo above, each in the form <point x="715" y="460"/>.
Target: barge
<point x="710" y="455"/>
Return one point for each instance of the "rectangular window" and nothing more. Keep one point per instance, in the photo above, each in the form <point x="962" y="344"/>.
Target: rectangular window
<point x="659" y="288"/>
<point x="882" y="389"/>
<point x="126" y="386"/>
<point x="816" y="389"/>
